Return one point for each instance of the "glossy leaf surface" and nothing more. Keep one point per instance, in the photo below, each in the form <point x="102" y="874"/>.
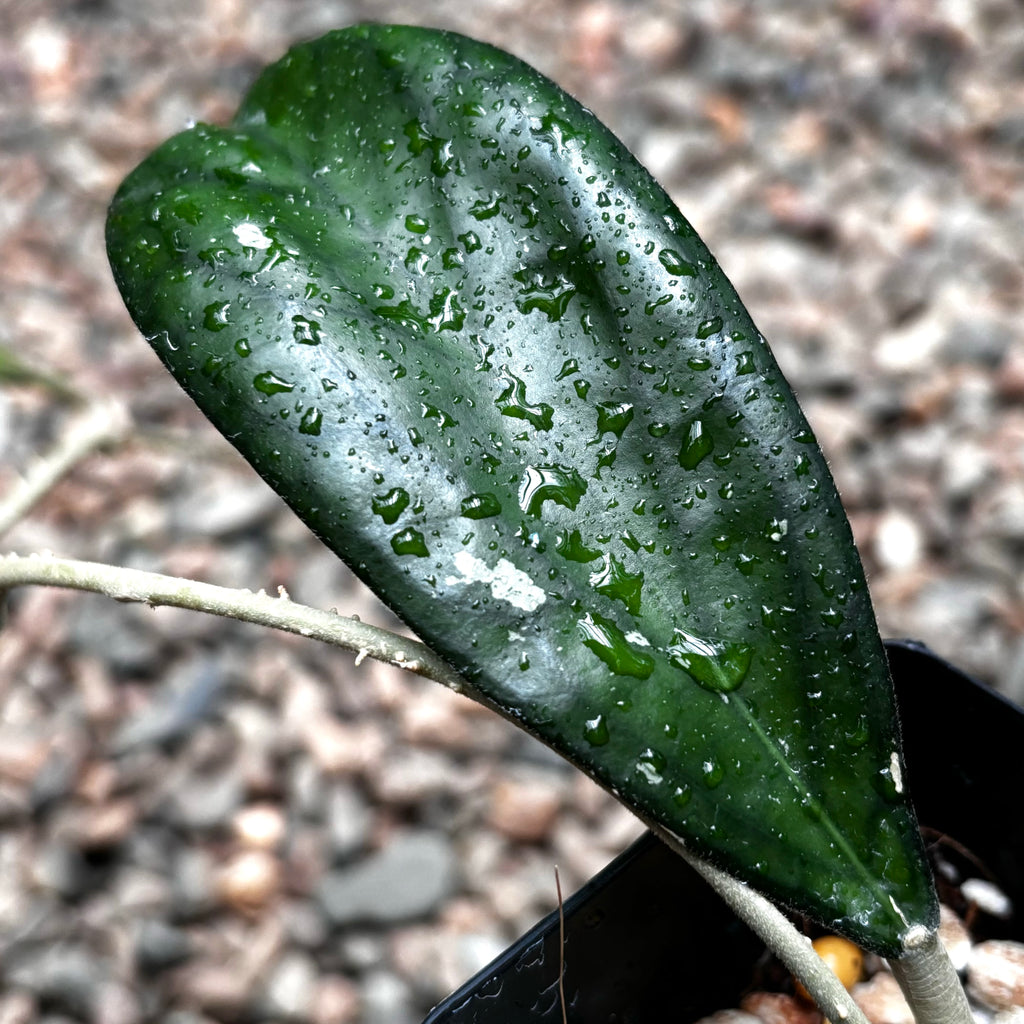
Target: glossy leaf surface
<point x="451" y="320"/>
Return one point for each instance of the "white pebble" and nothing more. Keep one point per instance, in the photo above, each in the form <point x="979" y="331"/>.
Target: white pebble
<point x="995" y="974"/>
<point x="987" y="896"/>
<point x="899" y="543"/>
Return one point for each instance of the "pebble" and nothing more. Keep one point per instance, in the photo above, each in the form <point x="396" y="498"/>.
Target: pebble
<point x="203" y="802"/>
<point x="345" y="748"/>
<point x="349" y="821"/>
<point x="217" y="989"/>
<point x="524" y="809"/>
<point x="387" y="1000"/>
<point x="336" y="1000"/>
<point x="408" y="878"/>
<point x="60" y="868"/>
<point x="66" y="975"/>
<point x="898" y="542"/>
<point x="291" y="988"/>
<point x="260" y="826"/>
<point x="159" y="946"/>
<point x="955" y="938"/>
<point x="186" y="698"/>
<point x="18" y="1007"/>
<point x="995" y="974"/>
<point x="104" y="826"/>
<point x="882" y="1001"/>
<point x="411" y="775"/>
<point x="249" y="880"/>
<point x="779" y="1008"/>
<point x="193" y="883"/>
<point x="987" y="896"/>
<point x="436" y="959"/>
<point x="436" y="717"/>
<point x="215" y="511"/>
<point x="730" y="1017"/>
<point x="116" y="1003"/>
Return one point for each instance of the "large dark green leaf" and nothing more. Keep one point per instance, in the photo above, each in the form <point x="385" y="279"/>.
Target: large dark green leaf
<point x="452" y="321"/>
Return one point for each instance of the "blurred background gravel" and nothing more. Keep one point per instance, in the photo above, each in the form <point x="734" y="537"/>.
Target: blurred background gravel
<point x="202" y="821"/>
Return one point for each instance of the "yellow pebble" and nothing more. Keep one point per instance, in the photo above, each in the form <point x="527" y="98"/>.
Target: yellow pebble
<point x="844" y="959"/>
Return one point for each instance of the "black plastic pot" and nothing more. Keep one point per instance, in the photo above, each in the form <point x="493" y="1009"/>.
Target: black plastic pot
<point x="646" y="939"/>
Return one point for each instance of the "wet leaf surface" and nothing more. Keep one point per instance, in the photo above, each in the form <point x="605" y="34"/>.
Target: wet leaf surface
<point x="472" y="343"/>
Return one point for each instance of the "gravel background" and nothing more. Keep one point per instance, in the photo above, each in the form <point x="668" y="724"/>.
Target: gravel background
<point x="200" y="821"/>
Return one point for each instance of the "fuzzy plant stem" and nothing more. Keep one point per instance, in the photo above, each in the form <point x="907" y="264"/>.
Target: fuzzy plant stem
<point x="929" y="981"/>
<point x="260" y="608"/>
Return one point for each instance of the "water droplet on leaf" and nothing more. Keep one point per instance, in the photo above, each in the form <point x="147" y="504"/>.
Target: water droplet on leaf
<point x="480" y="506"/>
<point x="560" y="484"/>
<point x="513" y="402"/>
<point x="717" y="665"/>
<point x="609" y="643"/>
<point x="675" y="264"/>
<point x="391" y="505"/>
<point x="697" y="444"/>
<point x="595" y="731"/>
<point x="410" y="542"/>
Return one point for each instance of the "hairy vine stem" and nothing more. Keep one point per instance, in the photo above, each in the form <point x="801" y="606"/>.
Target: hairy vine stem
<point x="929" y="980"/>
<point x="155" y="589"/>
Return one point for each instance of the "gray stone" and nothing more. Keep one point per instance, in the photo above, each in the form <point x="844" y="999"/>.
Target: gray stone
<point x="203" y="802"/>
<point x="289" y="990"/>
<point x="159" y="945"/>
<point x="189" y="696"/>
<point x="409" y="878"/>
<point x="60" y="868"/>
<point x="66" y="975"/>
<point x="306" y="788"/>
<point x="217" y="511"/>
<point x="192" y="884"/>
<point x="387" y="1000"/>
<point x="349" y="821"/>
<point x="117" y="634"/>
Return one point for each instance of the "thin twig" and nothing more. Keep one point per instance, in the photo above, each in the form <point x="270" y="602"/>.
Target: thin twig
<point x="281" y="612"/>
<point x="95" y="428"/>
